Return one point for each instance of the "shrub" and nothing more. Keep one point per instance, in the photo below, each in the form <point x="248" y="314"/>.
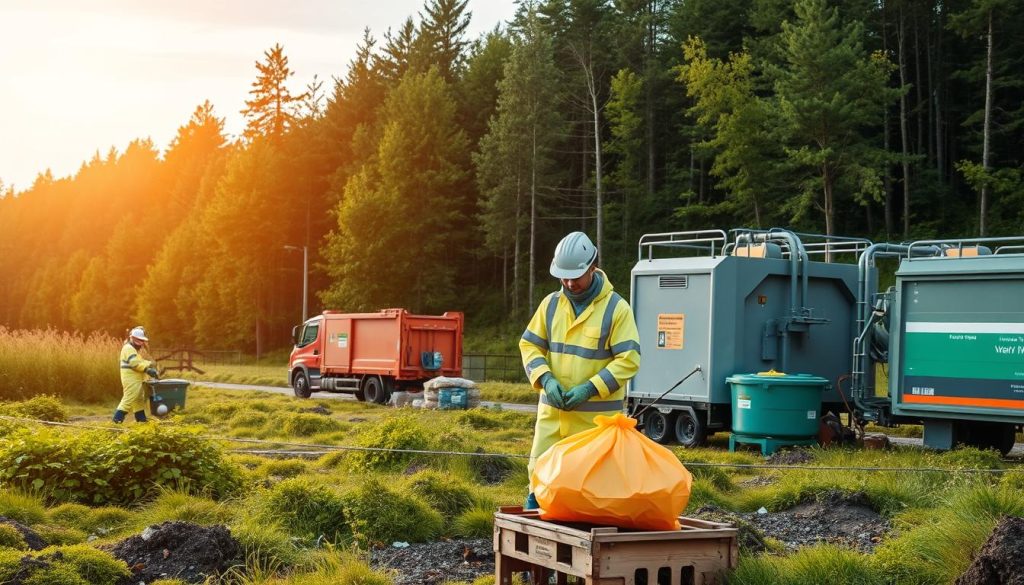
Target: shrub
<point x="22" y="507"/>
<point x="341" y="567"/>
<point x="64" y="565"/>
<point x="304" y="424"/>
<point x="266" y="546"/>
<point x="92" y="467"/>
<point x="476" y="522"/>
<point x="809" y="566"/>
<point x="399" y="432"/>
<point x="10" y="537"/>
<point x="283" y="468"/>
<point x="224" y="410"/>
<point x="96" y="566"/>
<point x="109" y="519"/>
<point x="306" y="508"/>
<point x="178" y="505"/>
<point x="972" y="458"/>
<point x="76" y="515"/>
<point x="447" y="495"/>
<point x="246" y="419"/>
<point x="376" y="514"/>
<point x="60" y="535"/>
<point x="44" y="407"/>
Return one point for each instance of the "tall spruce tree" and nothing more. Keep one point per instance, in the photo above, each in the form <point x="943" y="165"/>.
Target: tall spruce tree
<point x="272" y="108"/>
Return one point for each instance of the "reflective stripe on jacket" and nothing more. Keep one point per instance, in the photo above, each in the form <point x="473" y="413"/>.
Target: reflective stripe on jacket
<point x="601" y="345"/>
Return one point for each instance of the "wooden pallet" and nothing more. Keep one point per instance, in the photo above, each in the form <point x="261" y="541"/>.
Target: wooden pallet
<point x="600" y="555"/>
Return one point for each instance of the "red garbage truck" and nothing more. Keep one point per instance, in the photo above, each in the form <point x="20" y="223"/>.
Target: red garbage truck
<point x="373" y="354"/>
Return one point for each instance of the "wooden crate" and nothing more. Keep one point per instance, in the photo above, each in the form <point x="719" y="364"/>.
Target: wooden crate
<point x="599" y="555"/>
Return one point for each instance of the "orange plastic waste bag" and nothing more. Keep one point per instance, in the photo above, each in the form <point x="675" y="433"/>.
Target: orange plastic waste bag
<point x="614" y="475"/>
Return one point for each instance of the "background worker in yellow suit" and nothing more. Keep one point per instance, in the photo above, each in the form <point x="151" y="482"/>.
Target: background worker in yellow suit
<point x="133" y="372"/>
<point x="579" y="350"/>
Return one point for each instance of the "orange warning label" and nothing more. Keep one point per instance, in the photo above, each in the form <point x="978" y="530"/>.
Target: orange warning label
<point x="670" y="330"/>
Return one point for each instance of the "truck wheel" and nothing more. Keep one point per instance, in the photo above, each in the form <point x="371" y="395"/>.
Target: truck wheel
<point x="374" y="391"/>
<point x="658" y="425"/>
<point x="300" y="384"/>
<point x="690" y="429"/>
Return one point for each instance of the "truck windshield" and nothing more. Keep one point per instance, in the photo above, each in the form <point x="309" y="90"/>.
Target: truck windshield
<point x="309" y="334"/>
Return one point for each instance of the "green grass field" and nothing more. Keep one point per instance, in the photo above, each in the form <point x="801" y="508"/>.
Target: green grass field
<point x="193" y="466"/>
<point x="927" y="508"/>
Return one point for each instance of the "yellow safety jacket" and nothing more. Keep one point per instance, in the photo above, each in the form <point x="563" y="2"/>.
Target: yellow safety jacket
<point x="133" y="372"/>
<point x="133" y="367"/>
<point x="601" y="345"/>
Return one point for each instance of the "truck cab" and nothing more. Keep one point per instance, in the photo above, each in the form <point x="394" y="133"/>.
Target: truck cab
<point x="304" y="361"/>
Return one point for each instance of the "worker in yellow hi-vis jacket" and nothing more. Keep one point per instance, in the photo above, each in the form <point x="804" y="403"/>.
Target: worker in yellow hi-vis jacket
<point x="133" y="372"/>
<point x="579" y="350"/>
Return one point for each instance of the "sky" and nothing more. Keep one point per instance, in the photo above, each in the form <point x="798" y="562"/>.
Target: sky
<point x="81" y="76"/>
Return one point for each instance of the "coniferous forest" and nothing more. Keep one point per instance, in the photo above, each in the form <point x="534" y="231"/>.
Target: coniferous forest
<point x="437" y="171"/>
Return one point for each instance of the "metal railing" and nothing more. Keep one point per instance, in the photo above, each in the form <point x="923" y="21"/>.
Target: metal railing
<point x="493" y="367"/>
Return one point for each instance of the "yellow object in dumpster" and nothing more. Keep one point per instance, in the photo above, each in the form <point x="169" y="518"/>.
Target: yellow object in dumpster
<point x="612" y="474"/>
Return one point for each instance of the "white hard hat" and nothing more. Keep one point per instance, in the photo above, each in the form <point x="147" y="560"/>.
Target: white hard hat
<point x="138" y="333"/>
<point x="574" y="255"/>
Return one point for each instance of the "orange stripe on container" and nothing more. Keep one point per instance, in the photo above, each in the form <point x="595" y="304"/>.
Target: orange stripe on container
<point x="957" y="401"/>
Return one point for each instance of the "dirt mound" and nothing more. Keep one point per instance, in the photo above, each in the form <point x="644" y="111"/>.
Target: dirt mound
<point x="437" y="562"/>
<point x="750" y="539"/>
<point x="834" y="517"/>
<point x="790" y="457"/>
<point x="178" y="550"/>
<point x="999" y="560"/>
<point x="33" y="540"/>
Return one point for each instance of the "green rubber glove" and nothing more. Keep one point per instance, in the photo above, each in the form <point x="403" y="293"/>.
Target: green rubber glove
<point x="553" y="390"/>
<point x="579" y="395"/>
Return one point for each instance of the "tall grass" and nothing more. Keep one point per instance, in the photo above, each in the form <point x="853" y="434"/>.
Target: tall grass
<point x="73" y="366"/>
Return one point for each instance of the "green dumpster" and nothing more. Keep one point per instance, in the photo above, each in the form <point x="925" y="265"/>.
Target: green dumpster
<point x="169" y="394"/>
<point x="772" y="409"/>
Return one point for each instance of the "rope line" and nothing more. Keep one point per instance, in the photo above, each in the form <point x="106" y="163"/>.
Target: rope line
<point x="326" y="449"/>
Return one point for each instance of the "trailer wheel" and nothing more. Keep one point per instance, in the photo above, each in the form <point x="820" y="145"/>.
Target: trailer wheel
<point x="690" y="429"/>
<point x="374" y="391"/>
<point x="300" y="384"/>
<point x="658" y="425"/>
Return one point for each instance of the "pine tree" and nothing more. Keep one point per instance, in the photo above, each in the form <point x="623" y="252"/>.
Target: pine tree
<point x="827" y="120"/>
<point x="442" y="36"/>
<point x="272" y="109"/>
<point x="738" y="123"/>
<point x="400" y="237"/>
<point x="399" y="52"/>
<point x="515" y="163"/>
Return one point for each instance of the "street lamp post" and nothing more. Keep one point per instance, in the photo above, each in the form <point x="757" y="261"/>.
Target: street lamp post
<point x="305" y="276"/>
